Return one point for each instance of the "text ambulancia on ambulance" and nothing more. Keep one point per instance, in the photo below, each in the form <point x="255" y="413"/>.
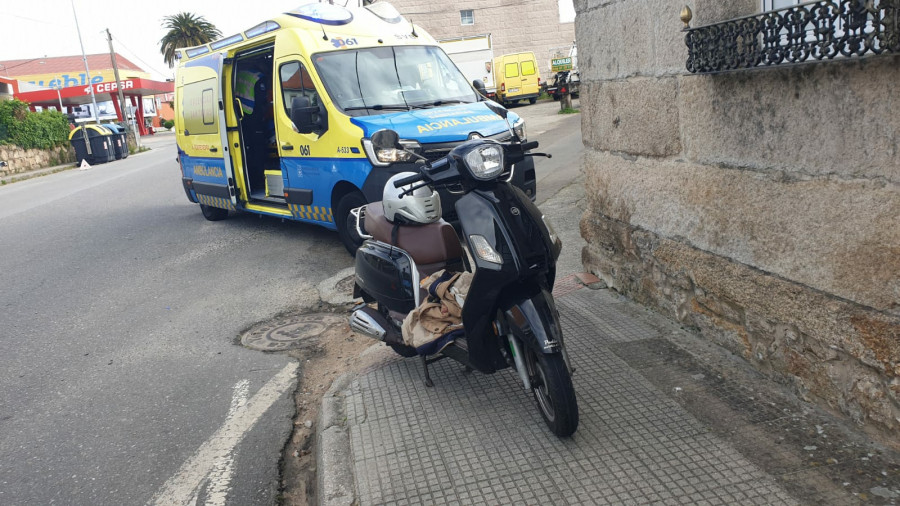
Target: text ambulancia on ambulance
<point x="277" y="120"/>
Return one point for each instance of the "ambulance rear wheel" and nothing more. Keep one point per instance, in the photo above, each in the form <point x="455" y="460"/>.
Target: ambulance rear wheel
<point x="532" y="100"/>
<point x="346" y="222"/>
<point x="213" y="213"/>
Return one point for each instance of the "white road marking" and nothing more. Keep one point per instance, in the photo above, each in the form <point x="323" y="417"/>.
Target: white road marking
<point x="220" y="479"/>
<point x="183" y="487"/>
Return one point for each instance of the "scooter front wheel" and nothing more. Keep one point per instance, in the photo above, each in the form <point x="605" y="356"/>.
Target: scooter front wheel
<point x="554" y="393"/>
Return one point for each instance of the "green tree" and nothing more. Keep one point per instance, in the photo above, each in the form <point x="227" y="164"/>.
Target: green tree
<point x="185" y="30"/>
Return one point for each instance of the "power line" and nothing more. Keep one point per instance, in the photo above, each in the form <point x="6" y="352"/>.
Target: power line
<point x="42" y="21"/>
<point x="138" y="58"/>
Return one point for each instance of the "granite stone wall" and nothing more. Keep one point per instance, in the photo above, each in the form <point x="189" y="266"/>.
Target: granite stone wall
<point x="760" y="207"/>
<point x="531" y="25"/>
<point x="17" y="160"/>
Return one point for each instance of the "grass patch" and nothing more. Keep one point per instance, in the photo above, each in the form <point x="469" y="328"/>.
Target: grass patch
<point x="132" y="149"/>
<point x="568" y="110"/>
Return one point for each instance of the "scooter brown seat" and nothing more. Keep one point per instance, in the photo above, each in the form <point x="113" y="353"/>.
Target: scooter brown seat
<point x="432" y="246"/>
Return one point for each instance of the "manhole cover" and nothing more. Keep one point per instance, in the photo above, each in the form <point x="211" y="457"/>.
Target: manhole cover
<point x="345" y="286"/>
<point x="290" y="332"/>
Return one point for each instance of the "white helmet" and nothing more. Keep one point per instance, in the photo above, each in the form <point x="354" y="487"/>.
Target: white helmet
<point x="420" y="206"/>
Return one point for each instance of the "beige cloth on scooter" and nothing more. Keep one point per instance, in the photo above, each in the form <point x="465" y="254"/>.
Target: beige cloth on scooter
<point x="439" y="315"/>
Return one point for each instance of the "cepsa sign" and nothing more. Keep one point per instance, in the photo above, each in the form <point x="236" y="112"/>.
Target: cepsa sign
<point x="109" y="87"/>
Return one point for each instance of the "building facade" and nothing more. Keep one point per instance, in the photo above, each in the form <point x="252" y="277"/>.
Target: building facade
<point x="760" y="206"/>
<point x="530" y="25"/>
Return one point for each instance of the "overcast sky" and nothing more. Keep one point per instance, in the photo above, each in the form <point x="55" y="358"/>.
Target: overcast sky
<point x="37" y="28"/>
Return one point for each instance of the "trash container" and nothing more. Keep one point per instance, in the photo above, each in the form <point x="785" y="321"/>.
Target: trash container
<point x="102" y="150"/>
<point x="119" y="140"/>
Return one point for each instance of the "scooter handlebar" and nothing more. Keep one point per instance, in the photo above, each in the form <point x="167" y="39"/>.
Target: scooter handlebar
<point x="408" y="180"/>
<point x="529" y="145"/>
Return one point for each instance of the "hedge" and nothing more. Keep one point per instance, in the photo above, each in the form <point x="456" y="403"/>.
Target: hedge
<point x="26" y="129"/>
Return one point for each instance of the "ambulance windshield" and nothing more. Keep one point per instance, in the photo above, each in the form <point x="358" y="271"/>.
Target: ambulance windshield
<point x="364" y="82"/>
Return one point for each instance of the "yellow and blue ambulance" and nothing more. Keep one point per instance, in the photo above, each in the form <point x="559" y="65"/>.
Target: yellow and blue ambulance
<point x="276" y="120"/>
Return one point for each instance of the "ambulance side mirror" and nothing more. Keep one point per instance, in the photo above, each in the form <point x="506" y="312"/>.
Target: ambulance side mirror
<point x="302" y="115"/>
<point x="479" y="87"/>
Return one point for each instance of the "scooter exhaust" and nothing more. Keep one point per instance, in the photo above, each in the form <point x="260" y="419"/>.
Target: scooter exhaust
<point x="368" y="322"/>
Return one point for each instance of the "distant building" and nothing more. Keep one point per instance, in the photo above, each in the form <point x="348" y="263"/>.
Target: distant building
<point x="36" y="77"/>
<point x="67" y="71"/>
<point x="529" y="25"/>
<point x="8" y="87"/>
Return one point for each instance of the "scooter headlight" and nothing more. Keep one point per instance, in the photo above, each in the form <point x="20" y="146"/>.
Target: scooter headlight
<point x="385" y="157"/>
<point x="519" y="128"/>
<point x="485" y="162"/>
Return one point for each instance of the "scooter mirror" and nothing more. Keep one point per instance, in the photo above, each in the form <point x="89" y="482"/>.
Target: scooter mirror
<point x="497" y="109"/>
<point x="386" y="139"/>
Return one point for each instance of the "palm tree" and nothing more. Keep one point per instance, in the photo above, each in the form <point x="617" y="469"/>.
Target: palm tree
<point x="185" y="30"/>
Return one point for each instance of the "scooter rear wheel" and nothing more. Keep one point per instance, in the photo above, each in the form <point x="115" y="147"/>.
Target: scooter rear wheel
<point x="554" y="394"/>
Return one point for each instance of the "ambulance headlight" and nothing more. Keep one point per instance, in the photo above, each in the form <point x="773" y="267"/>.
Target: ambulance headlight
<point x="519" y="128"/>
<point x="485" y="162"/>
<point x="386" y="156"/>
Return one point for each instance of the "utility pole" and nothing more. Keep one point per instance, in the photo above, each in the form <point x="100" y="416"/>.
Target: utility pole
<point x="129" y="127"/>
<point x="87" y="71"/>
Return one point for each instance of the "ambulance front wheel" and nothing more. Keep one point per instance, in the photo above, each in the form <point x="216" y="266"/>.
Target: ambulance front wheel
<point x="346" y="222"/>
<point x="213" y="213"/>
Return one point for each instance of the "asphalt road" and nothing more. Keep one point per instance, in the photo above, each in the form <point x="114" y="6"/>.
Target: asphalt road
<point x="118" y="312"/>
<point x="119" y="309"/>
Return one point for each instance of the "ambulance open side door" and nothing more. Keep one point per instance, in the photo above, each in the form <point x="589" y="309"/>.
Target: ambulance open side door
<point x="300" y="144"/>
<point x="205" y="135"/>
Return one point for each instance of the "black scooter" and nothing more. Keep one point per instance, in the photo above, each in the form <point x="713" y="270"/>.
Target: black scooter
<point x="509" y="316"/>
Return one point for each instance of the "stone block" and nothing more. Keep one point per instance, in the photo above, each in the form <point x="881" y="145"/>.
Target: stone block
<point x="638" y="116"/>
<point x="830" y="119"/>
<point x="714" y="11"/>
<point x="832" y="350"/>
<point x="632" y="38"/>
<point x="837" y="236"/>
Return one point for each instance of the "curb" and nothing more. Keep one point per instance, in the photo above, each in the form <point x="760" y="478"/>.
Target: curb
<point x="335" y="482"/>
<point x="329" y="292"/>
<point x="31" y="174"/>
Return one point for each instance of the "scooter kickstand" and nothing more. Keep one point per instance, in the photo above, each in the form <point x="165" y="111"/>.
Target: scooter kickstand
<point x="428" y="382"/>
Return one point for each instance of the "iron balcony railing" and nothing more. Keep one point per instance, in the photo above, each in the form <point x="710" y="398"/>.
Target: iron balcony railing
<point x="812" y="31"/>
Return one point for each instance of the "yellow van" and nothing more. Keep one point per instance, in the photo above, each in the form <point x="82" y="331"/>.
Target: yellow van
<point x="277" y="120"/>
<point x="518" y="77"/>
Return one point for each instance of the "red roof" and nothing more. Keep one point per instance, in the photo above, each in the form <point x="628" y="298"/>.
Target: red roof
<point x="58" y="64"/>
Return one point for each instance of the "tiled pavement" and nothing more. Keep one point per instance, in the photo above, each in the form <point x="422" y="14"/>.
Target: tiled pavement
<point x="479" y="439"/>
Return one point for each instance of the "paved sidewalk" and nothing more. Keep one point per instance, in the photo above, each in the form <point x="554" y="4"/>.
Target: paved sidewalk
<point x="478" y="439"/>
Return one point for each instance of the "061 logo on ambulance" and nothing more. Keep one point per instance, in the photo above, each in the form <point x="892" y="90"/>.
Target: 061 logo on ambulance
<point x="341" y="42"/>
